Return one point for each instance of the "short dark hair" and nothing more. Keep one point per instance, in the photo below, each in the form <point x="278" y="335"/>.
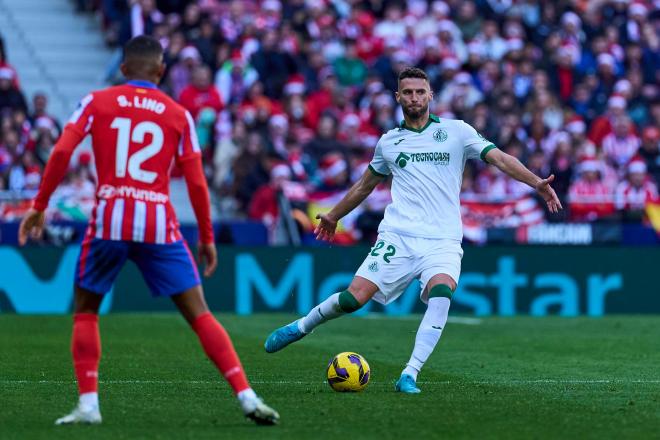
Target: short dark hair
<point x="413" y="72"/>
<point x="143" y="47"/>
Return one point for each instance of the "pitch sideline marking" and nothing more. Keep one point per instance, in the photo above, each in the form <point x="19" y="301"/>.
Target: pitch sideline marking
<point x="451" y="319"/>
<point x="293" y="382"/>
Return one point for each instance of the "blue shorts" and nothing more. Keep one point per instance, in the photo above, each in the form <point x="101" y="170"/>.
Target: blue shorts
<point x="168" y="269"/>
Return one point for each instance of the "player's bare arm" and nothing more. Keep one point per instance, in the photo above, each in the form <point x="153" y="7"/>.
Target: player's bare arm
<point x="514" y="168"/>
<point x="356" y="195"/>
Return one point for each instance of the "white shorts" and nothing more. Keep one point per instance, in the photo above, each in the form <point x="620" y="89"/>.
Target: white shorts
<point x="396" y="260"/>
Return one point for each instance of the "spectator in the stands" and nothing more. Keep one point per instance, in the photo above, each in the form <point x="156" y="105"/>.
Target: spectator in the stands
<point x="326" y="140"/>
<point x="622" y="144"/>
<point x="333" y="172"/>
<point x="234" y="78"/>
<point x="636" y="191"/>
<point x="40" y="110"/>
<point x="250" y="169"/>
<point x="4" y="64"/>
<point x="144" y="16"/>
<point x="11" y="98"/>
<point x="273" y="65"/>
<point x="180" y="74"/>
<point x="350" y="69"/>
<point x="650" y="151"/>
<point x="200" y="93"/>
<point x="590" y="197"/>
<point x="602" y="125"/>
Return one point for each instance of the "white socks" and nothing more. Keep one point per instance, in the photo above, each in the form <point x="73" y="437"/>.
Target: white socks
<point x="89" y="400"/>
<point x="327" y="310"/>
<point x="428" y="334"/>
<point x="248" y="400"/>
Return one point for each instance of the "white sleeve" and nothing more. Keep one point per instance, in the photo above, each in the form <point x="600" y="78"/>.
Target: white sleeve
<point x="378" y="164"/>
<point x="476" y="146"/>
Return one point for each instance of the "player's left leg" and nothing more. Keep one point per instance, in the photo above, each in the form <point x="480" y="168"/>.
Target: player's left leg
<point x="439" y="289"/>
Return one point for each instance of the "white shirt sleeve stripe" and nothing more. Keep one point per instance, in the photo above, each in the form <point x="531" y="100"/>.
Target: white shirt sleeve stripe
<point x="100" y="210"/>
<point x="117" y="219"/>
<point x="139" y="221"/>
<point x="160" y="224"/>
<point x="81" y="108"/>
<point x="193" y="134"/>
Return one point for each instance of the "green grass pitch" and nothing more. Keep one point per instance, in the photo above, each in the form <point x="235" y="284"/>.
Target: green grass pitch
<point x="527" y="378"/>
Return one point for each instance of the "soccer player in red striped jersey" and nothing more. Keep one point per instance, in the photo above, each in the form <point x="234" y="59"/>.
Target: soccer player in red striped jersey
<point x="138" y="133"/>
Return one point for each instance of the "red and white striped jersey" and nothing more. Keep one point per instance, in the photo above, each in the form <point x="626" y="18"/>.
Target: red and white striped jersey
<point x="583" y="191"/>
<point x="631" y="197"/>
<point x="138" y="133"/>
<point x="620" y="150"/>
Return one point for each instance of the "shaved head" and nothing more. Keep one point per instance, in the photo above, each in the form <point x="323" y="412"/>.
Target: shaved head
<point x="143" y="59"/>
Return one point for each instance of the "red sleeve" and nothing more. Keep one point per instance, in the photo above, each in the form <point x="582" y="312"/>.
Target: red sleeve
<point x="58" y="163"/>
<point x="198" y="192"/>
<point x="189" y="158"/>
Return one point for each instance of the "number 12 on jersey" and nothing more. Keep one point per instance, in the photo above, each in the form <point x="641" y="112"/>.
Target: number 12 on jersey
<point x="134" y="164"/>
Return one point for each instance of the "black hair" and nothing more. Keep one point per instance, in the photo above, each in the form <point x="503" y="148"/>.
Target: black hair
<point x="143" y="47"/>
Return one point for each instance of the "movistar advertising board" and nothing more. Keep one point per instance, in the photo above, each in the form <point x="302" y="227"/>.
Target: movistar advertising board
<point x="505" y="281"/>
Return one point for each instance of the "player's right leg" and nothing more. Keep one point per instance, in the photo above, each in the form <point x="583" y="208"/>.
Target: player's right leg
<point x="98" y="265"/>
<point x="220" y="350"/>
<point x="358" y="294"/>
<point x="86" y="352"/>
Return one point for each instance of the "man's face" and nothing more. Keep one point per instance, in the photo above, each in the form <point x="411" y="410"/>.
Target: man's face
<point x="637" y="179"/>
<point x="40" y="103"/>
<point x="414" y="95"/>
<point x="201" y="78"/>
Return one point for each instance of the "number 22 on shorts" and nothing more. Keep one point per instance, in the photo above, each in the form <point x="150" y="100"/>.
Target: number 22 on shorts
<point x="389" y="251"/>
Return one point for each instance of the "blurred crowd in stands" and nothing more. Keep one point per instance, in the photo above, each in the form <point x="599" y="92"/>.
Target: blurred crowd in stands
<point x="290" y="97"/>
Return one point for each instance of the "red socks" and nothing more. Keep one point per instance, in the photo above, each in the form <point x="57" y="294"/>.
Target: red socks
<point x="220" y="350"/>
<point x="86" y="350"/>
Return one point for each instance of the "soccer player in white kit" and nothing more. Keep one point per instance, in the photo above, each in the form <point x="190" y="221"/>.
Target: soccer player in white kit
<point x="420" y="235"/>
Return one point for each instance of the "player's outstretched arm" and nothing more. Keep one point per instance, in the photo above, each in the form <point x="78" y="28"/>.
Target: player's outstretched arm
<point x="512" y="166"/>
<point x="32" y="224"/>
<point x="356" y="195"/>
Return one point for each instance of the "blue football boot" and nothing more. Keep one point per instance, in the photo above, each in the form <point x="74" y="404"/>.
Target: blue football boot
<point x="283" y="336"/>
<point x="406" y="384"/>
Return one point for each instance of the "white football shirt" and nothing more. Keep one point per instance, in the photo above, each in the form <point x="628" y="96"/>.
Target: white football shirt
<point x="427" y="172"/>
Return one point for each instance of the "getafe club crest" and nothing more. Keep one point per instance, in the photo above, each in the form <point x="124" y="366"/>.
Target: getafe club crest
<point x="440" y="135"/>
<point x="373" y="267"/>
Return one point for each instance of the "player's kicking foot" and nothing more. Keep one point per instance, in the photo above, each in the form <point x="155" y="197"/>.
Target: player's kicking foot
<point x="82" y="414"/>
<point x="406" y="384"/>
<point x="283" y="336"/>
<point x="256" y="410"/>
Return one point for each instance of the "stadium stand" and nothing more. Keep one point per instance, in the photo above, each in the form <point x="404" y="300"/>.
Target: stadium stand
<point x="291" y="97"/>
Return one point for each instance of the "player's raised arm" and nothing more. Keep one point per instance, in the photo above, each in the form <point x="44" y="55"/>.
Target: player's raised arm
<point x="514" y="168"/>
<point x="189" y="158"/>
<point x="356" y="195"/>
<point x="56" y="168"/>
